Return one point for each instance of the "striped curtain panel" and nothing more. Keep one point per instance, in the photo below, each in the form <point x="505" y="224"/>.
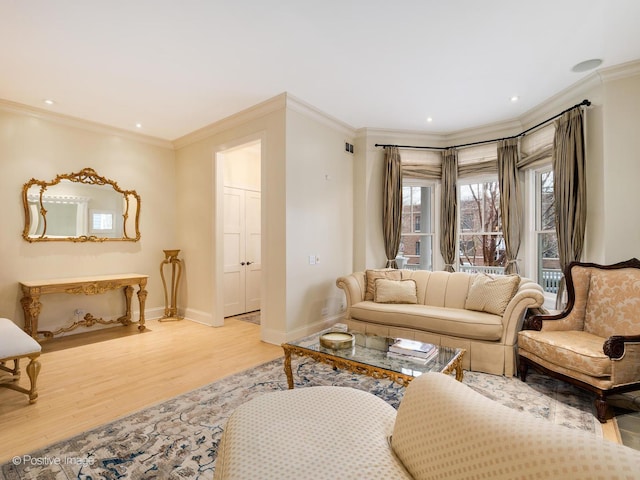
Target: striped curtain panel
<point x="449" y="208"/>
<point x="570" y="190"/>
<point x="510" y="202"/>
<point x="392" y="207"/>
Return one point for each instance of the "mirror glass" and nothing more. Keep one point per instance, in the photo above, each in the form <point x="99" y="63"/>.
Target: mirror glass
<point x="80" y="207"/>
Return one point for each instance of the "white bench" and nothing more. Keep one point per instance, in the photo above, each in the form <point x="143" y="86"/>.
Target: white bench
<point x="14" y="345"/>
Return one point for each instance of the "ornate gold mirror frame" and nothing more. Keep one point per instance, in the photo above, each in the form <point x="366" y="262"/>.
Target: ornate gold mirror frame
<point x="96" y="209"/>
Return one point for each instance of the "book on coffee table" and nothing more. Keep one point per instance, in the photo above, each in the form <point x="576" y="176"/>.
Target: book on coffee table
<point x="412" y="348"/>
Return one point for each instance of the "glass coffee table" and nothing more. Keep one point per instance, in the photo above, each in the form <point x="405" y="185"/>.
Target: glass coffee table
<point x="369" y="356"/>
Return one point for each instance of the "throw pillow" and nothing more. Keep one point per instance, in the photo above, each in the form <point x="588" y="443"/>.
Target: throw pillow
<point x="491" y="294"/>
<point x="372" y="275"/>
<point x="395" y="291"/>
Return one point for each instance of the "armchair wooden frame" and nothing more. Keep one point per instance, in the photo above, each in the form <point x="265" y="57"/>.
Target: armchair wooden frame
<point x="613" y="347"/>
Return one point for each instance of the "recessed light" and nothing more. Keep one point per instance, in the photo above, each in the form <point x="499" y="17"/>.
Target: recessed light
<point x="138" y="125"/>
<point x="514" y="98"/>
<point x="48" y="101"/>
<point x="586" y="65"/>
<point x="429" y="119"/>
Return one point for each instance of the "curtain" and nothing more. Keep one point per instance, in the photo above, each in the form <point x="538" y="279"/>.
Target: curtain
<point x="392" y="207"/>
<point x="510" y="201"/>
<point x="569" y="186"/>
<point x="449" y="208"/>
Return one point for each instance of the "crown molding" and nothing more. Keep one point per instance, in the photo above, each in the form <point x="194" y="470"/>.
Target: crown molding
<point x="271" y="105"/>
<point x="314" y="113"/>
<point x="623" y="70"/>
<point x="69" y="121"/>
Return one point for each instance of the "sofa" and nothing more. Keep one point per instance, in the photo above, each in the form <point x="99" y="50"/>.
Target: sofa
<point x="477" y="312"/>
<point x="442" y="429"/>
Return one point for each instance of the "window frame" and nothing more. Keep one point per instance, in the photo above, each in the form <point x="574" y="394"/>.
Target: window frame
<point x="436" y="258"/>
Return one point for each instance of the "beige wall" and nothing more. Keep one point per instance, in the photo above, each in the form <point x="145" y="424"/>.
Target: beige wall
<point x="319" y="221"/>
<point x="32" y="146"/>
<point x="621" y="146"/>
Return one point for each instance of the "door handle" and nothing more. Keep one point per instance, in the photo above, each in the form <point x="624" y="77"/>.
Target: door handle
<point x="242" y="263"/>
<point x="249" y="263"/>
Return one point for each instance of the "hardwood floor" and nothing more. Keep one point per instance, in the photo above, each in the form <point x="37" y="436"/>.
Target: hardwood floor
<point x="92" y="378"/>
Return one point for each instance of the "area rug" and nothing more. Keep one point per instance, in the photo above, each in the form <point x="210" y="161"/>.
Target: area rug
<point x="251" y="317"/>
<point x="178" y="439"/>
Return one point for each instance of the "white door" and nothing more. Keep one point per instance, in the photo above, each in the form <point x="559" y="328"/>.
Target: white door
<point x="242" y="262"/>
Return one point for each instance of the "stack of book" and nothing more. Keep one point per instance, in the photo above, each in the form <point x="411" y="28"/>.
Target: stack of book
<point x="412" y="350"/>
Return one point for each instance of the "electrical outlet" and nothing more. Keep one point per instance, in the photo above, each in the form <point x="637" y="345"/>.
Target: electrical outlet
<point x="79" y="312"/>
<point x="325" y="311"/>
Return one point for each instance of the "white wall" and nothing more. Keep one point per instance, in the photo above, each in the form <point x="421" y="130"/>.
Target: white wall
<point x="319" y="206"/>
<point x="42" y="147"/>
<point x="621" y="176"/>
<point x="303" y="213"/>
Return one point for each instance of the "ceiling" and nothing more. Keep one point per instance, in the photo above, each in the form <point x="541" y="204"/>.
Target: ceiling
<point x="176" y="66"/>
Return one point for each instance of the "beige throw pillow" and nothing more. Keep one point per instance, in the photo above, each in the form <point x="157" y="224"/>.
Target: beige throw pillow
<point x="395" y="291"/>
<point x="492" y="294"/>
<point x="372" y="275"/>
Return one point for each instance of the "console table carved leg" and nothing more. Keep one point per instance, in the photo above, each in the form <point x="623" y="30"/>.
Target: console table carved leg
<point x="126" y="318"/>
<point x="142" y="297"/>
<point x="31" y="307"/>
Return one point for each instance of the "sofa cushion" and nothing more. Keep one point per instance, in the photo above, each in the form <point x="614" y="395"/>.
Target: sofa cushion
<point x="395" y="291"/>
<point x="373" y="275"/>
<point x="315" y="432"/>
<point x="440" y="320"/>
<point x="492" y="294"/>
<point x="444" y="429"/>
<point x="573" y="349"/>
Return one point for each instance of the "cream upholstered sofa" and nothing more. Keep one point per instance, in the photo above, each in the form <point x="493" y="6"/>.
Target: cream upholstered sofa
<point x="443" y="429"/>
<point x="477" y="312"/>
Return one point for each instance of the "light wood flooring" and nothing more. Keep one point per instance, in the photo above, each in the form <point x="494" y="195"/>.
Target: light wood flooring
<point x="92" y="378"/>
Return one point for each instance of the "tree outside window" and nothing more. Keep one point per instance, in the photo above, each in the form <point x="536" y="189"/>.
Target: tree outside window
<point x="548" y="261"/>
<point x="481" y="241"/>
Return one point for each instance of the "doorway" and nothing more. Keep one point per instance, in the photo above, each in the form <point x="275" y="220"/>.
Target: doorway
<point x="242" y="238"/>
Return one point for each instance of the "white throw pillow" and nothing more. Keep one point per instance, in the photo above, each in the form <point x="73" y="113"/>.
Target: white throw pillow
<point x="373" y="274"/>
<point x="492" y="294"/>
<point x="395" y="291"/>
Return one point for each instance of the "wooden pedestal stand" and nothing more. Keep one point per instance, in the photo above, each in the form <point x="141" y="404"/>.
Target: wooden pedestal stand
<point x="170" y="304"/>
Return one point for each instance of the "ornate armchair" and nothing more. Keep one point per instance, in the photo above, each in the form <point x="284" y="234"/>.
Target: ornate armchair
<point x="595" y="342"/>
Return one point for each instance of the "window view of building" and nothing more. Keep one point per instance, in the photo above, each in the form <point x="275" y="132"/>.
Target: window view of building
<point x="416" y="244"/>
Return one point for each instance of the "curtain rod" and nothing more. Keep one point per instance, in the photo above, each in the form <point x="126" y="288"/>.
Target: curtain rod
<point x="585" y="103"/>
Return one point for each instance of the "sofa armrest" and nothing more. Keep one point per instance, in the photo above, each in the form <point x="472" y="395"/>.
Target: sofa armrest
<point x="528" y="295"/>
<point x="354" y="286"/>
<point x="624" y="352"/>
<point x="614" y="346"/>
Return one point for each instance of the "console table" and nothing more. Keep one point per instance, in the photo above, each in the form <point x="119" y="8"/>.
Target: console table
<point x="95" y="285"/>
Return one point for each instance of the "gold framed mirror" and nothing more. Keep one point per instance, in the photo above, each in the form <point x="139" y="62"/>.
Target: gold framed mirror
<point x="80" y="207"/>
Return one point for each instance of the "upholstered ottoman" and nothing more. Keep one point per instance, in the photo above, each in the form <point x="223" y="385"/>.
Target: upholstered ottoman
<point x="14" y="345"/>
<point x="314" y="432"/>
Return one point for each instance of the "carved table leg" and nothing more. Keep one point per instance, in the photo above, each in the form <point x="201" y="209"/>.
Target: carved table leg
<point x="33" y="369"/>
<point x="126" y="318"/>
<point x="31" y="307"/>
<point x="287" y="367"/>
<point x="142" y="297"/>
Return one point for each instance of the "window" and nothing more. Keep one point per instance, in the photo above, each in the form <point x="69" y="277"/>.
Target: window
<point x="101" y="221"/>
<point x="481" y="244"/>
<point x="547" y="259"/>
<point x="417" y="237"/>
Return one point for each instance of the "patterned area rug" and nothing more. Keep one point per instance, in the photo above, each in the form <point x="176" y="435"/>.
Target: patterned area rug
<point x="251" y="317"/>
<point x="178" y="439"/>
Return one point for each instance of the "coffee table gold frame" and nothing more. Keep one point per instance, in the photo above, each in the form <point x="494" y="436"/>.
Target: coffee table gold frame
<point x="361" y="368"/>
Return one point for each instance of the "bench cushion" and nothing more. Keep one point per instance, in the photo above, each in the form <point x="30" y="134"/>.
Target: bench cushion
<point x="456" y="322"/>
<point x="314" y="432"/>
<point x="14" y="342"/>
